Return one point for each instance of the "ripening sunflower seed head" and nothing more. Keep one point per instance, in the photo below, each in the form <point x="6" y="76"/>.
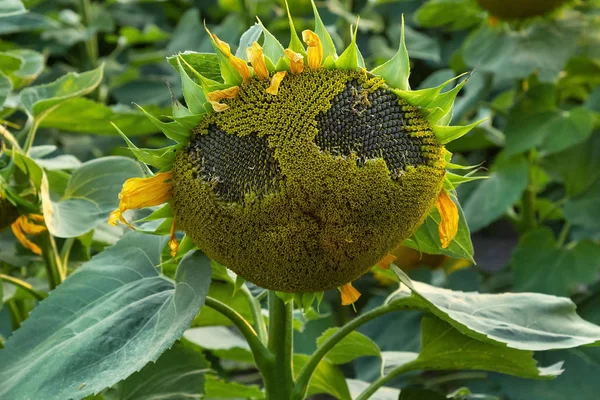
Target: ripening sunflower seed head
<point x="520" y="9"/>
<point x="301" y="169"/>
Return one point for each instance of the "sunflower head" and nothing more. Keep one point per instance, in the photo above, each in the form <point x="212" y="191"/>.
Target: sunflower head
<point x="519" y="9"/>
<point x="300" y="169"/>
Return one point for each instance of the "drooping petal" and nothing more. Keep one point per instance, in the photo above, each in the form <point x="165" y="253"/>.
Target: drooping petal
<point x="240" y="65"/>
<point x="315" y="48"/>
<point x="256" y="57"/>
<point x="349" y="294"/>
<point x="386" y="261"/>
<point x="224" y="46"/>
<point x="449" y="218"/>
<point x="142" y="192"/>
<point x="296" y="61"/>
<point x="215" y="97"/>
<point x="275" y="82"/>
<point x="173" y="243"/>
<point x="28" y="225"/>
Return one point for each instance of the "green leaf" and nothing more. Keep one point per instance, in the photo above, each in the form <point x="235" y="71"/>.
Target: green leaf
<point x="445" y="348"/>
<point x="552" y="131"/>
<point x="11" y="7"/>
<point x="83" y="206"/>
<point x="321" y="31"/>
<point x="271" y="46"/>
<point x="251" y="35"/>
<point x="160" y="158"/>
<point x="32" y="64"/>
<point x="523" y="321"/>
<point x="206" y="64"/>
<point x="396" y="70"/>
<point x="427" y="239"/>
<point x="115" y="304"/>
<point x="493" y="196"/>
<point x="541" y="266"/>
<point x="452" y="14"/>
<point x="352" y="346"/>
<point x="194" y="95"/>
<point x="37" y="100"/>
<point x="5" y="88"/>
<point x="150" y="34"/>
<point x="178" y="373"/>
<point x="26" y="23"/>
<point x="83" y="115"/>
<point x="584" y="210"/>
<point x="327" y="378"/>
<point x="222" y="342"/>
<point x="218" y="388"/>
<point x="172" y="130"/>
<point x="542" y="47"/>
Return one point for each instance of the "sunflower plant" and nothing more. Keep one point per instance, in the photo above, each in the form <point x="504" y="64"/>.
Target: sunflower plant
<point x="290" y="172"/>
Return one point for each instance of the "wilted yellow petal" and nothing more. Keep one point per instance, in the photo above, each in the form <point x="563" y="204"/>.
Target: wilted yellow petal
<point x="386" y="261"/>
<point x="315" y="48"/>
<point x="296" y="61"/>
<point x="449" y="218"/>
<point x="215" y="97"/>
<point x="349" y="294"/>
<point x="256" y="57"/>
<point x="222" y="45"/>
<point x="173" y="243"/>
<point x="26" y="225"/>
<point x="142" y="192"/>
<point x="241" y="66"/>
<point x="275" y="82"/>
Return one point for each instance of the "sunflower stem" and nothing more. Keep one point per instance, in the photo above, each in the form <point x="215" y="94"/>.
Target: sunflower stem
<point x="259" y="321"/>
<point x="278" y="377"/>
<point x="23" y="285"/>
<point x="305" y="374"/>
<point x="51" y="260"/>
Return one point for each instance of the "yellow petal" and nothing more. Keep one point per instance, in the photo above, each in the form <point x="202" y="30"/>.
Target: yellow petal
<point x="449" y="218"/>
<point x="222" y="45"/>
<point x="296" y="61"/>
<point x="173" y="243"/>
<point x="25" y="225"/>
<point x="315" y="48"/>
<point x="275" y="82"/>
<point x="241" y="66"/>
<point x="349" y="294"/>
<point x="142" y="192"/>
<point x="256" y="57"/>
<point x="215" y="97"/>
<point x="386" y="261"/>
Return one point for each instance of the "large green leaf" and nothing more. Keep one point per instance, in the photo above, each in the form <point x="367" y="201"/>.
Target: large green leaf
<point x="105" y="322"/>
<point x="83" y="205"/>
<point x="551" y="131"/>
<point x="220" y="341"/>
<point x="445" y="348"/>
<point x="327" y="378"/>
<point x="453" y="14"/>
<point x="11" y="7"/>
<point x="543" y="47"/>
<point x="37" y="100"/>
<point x="350" y="347"/>
<point x="83" y="115"/>
<point x="540" y="265"/>
<point x="25" y="23"/>
<point x="584" y="210"/>
<point x="493" y="196"/>
<point x="32" y="64"/>
<point x="178" y="374"/>
<point x="427" y="239"/>
<point x="524" y="321"/>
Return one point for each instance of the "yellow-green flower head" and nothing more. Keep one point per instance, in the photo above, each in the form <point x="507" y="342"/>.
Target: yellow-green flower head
<point x="303" y="169"/>
<point x="519" y="9"/>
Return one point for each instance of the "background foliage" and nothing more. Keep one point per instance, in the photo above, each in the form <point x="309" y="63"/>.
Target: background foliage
<point x="69" y="68"/>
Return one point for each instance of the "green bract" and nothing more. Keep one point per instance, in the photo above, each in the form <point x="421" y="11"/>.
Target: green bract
<point x="305" y="187"/>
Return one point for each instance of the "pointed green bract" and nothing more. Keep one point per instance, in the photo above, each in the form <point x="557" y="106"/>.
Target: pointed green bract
<point x="179" y="110"/>
<point x="321" y="31"/>
<point x="446" y="134"/>
<point x="159" y="158"/>
<point x="443" y="105"/>
<point x="295" y="42"/>
<point x="351" y="57"/>
<point x="452" y="180"/>
<point x="425" y="98"/>
<point x="251" y="35"/>
<point x="271" y="46"/>
<point x="397" y="70"/>
<point x="208" y="85"/>
<point x="190" y="121"/>
<point x="171" y="130"/>
<point x="192" y="93"/>
<point x="228" y="72"/>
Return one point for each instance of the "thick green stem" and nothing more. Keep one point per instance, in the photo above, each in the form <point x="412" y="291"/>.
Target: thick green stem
<point x="259" y="351"/>
<point x="278" y="377"/>
<point x="309" y="368"/>
<point x="51" y="259"/>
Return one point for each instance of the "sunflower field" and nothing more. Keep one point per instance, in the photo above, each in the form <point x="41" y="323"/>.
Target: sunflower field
<point x="288" y="200"/>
